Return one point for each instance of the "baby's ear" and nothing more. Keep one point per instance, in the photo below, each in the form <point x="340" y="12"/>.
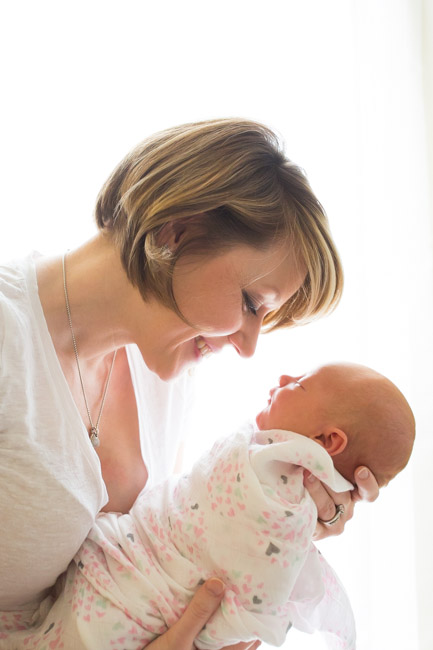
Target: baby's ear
<point x="333" y="439"/>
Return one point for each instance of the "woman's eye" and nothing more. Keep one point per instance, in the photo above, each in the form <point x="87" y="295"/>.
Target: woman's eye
<point x="249" y="304"/>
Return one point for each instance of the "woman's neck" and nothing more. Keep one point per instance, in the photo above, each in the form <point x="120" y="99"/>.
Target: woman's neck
<point x="100" y="297"/>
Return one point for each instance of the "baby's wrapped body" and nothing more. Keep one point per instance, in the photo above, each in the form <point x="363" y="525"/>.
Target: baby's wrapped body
<point x="242" y="514"/>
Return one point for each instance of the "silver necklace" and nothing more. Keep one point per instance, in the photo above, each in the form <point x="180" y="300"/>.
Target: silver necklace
<point x="94" y="428"/>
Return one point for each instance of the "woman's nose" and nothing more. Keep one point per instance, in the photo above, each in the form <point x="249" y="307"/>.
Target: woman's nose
<point x="245" y="339"/>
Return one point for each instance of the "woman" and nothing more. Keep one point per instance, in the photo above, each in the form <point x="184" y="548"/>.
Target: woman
<point x="207" y="233"/>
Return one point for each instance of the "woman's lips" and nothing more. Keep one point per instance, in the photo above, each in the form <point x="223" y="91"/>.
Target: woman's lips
<point x="203" y="347"/>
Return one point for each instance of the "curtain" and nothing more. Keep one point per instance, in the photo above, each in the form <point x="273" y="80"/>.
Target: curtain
<point x="348" y="85"/>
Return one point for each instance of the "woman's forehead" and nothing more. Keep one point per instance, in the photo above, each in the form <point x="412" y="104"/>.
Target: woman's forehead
<point x="276" y="272"/>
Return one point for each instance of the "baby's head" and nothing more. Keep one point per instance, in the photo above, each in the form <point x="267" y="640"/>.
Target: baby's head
<point x="356" y="414"/>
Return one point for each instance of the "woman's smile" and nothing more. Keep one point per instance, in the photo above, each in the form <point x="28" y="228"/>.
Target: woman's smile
<point x="204" y="349"/>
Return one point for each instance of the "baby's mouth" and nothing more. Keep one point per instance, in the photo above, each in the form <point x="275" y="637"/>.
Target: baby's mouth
<point x="205" y="350"/>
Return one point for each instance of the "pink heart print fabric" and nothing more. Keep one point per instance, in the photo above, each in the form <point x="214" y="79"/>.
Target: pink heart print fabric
<point x="241" y="514"/>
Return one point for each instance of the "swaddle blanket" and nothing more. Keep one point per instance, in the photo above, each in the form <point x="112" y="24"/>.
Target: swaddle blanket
<point x="242" y="514"/>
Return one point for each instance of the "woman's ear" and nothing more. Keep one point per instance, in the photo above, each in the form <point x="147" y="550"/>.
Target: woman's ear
<point x="172" y="232"/>
<point x="334" y="440"/>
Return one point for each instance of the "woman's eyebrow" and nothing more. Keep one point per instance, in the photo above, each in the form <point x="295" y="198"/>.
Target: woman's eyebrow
<point x="272" y="292"/>
<point x="268" y="295"/>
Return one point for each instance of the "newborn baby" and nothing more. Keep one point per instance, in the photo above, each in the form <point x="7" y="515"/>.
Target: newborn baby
<point x="241" y="514"/>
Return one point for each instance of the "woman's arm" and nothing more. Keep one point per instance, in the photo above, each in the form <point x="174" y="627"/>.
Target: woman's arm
<point x="326" y="500"/>
<point x="204" y="603"/>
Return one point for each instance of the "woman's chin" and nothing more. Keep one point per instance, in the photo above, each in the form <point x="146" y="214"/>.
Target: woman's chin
<point x="170" y="366"/>
<point x="175" y="370"/>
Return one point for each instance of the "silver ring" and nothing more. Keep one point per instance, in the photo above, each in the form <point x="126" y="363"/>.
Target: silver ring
<point x="339" y="510"/>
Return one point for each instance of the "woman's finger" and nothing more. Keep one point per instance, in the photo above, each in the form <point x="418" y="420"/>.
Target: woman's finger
<point x="249" y="645"/>
<point x="321" y="496"/>
<point x="367" y="488"/>
<point x="182" y="634"/>
<point x="326" y="501"/>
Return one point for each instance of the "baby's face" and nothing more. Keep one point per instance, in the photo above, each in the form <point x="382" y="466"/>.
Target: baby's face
<point x="296" y="404"/>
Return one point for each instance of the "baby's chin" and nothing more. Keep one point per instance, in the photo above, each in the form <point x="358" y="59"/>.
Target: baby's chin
<point x="259" y="419"/>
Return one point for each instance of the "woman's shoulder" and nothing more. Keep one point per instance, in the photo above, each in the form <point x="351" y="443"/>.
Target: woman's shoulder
<point x="15" y="272"/>
<point x="18" y="289"/>
<point x="17" y="282"/>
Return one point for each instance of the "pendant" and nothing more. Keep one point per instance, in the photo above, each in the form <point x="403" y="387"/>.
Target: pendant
<point x="94" y="436"/>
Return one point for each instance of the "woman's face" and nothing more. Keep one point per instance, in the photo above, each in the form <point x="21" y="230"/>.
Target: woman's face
<point x="225" y="298"/>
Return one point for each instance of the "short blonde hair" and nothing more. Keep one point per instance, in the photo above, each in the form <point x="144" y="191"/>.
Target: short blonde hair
<point x="231" y="180"/>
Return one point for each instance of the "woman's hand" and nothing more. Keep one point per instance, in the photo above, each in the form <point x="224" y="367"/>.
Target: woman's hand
<point x="205" y="602"/>
<point x="327" y="501"/>
<point x="250" y="645"/>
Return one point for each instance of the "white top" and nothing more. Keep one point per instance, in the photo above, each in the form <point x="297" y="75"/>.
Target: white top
<point x="51" y="486"/>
